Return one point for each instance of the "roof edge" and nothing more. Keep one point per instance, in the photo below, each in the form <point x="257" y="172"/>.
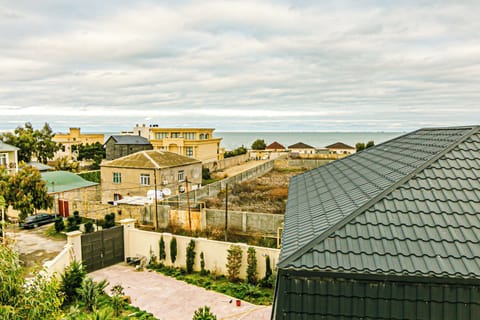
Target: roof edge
<point x="302" y="250"/>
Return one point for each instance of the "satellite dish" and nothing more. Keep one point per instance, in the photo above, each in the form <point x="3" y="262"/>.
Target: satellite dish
<point x="196" y="173"/>
<point x="166" y="191"/>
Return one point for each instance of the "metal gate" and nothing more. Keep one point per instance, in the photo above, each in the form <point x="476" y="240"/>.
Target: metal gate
<point x="103" y="248"/>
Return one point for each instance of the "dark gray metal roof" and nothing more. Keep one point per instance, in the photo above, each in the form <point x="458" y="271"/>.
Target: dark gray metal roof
<point x="129" y="139"/>
<point x="407" y="206"/>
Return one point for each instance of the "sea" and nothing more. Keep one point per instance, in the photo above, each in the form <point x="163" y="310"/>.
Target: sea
<point x="233" y="140"/>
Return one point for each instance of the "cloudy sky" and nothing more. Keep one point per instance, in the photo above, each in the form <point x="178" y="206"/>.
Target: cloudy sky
<point x="240" y="65"/>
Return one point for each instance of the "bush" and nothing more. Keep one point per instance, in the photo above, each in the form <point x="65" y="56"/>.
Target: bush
<point x="90" y="291"/>
<point x="267" y="281"/>
<point x="72" y="280"/>
<point x="234" y="262"/>
<point x="59" y="225"/>
<point x="252" y="266"/>
<point x="109" y="221"/>
<point x="161" y="249"/>
<point x="173" y="250"/>
<point x="259" y="144"/>
<point x="88" y="227"/>
<point x="190" y="256"/>
<point x="239" y="151"/>
<point x="206" y="174"/>
<point x="204" y="314"/>
<point x="72" y="224"/>
<point x="78" y="219"/>
<point x="203" y="272"/>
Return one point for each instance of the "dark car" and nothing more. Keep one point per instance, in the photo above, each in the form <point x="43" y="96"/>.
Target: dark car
<point x="37" y="220"/>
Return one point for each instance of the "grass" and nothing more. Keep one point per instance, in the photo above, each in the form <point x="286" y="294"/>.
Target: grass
<point x="255" y="294"/>
<point x="52" y="234"/>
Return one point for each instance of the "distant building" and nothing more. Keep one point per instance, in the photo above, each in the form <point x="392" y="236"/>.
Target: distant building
<point x="118" y="146"/>
<point x="275" y="147"/>
<point x="340" y="148"/>
<point x="301" y="148"/>
<point x="391" y="232"/>
<point x="9" y="157"/>
<point x="138" y="173"/>
<point x="40" y="166"/>
<point x="74" y="137"/>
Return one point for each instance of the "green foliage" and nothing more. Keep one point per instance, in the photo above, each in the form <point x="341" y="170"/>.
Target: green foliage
<point x="370" y="143"/>
<point x="10" y="275"/>
<point x="268" y="280"/>
<point x="259" y="144"/>
<point x="359" y="146"/>
<point x="71" y="280"/>
<point x="237" y="152"/>
<point x="161" y="249"/>
<point x="59" y="224"/>
<point x="190" y="256"/>
<point x="88" y="227"/>
<point x="206" y="174"/>
<point x="204" y="313"/>
<point x="72" y="224"/>
<point x="252" y="266"/>
<point x="117" y="300"/>
<point x="26" y="191"/>
<point x="93" y="176"/>
<point x="94" y="151"/>
<point x="202" y="264"/>
<point x="78" y="219"/>
<point x="173" y="250"/>
<point x="109" y="220"/>
<point x="234" y="262"/>
<point x="66" y="164"/>
<point x="90" y="291"/>
<point x="32" y="142"/>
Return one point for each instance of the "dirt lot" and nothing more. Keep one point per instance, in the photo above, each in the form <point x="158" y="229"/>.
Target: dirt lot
<point x="266" y="194"/>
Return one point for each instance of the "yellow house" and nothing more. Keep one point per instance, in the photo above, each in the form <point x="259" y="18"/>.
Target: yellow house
<point x="9" y="157"/>
<point x="197" y="143"/>
<point x="74" y="137"/>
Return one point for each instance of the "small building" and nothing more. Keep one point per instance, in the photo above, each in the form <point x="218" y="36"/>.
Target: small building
<point x="391" y="232"/>
<point x="197" y="143"/>
<point x="40" y="166"/>
<point x="67" y="187"/>
<point x="301" y="148"/>
<point x="138" y="173"/>
<point x="275" y="147"/>
<point x="340" y="148"/>
<point x="118" y="146"/>
<point x="9" y="157"/>
<point x="74" y="137"/>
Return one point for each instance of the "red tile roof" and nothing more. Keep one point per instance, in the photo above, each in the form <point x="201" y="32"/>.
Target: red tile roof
<point x="275" y="145"/>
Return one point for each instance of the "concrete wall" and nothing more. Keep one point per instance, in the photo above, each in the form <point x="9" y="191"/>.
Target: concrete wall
<point x="138" y="242"/>
<point x="300" y="163"/>
<point x="247" y="222"/>
<point x="226" y="163"/>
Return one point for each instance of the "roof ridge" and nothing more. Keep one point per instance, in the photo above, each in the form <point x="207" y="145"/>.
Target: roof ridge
<point x="150" y="158"/>
<point x="322" y="236"/>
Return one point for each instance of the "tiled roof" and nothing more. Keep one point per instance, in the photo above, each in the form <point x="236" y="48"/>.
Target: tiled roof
<point x="129" y="139"/>
<point x="406" y="207"/>
<point x="300" y="145"/>
<point x="6" y="147"/>
<point x="275" y="145"/>
<point x="339" y="145"/>
<point x="151" y="159"/>
<point x="60" y="181"/>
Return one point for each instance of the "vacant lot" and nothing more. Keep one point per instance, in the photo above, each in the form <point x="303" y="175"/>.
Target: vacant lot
<point x="267" y="194"/>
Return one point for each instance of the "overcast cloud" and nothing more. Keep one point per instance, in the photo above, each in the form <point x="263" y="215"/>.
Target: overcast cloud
<point x="240" y="65"/>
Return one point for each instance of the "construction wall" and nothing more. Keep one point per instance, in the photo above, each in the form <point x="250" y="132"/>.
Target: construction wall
<point x="226" y="163"/>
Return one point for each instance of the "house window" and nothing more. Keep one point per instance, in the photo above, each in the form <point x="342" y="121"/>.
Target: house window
<point x="175" y="135"/>
<point x="189" y="151"/>
<point x="189" y="135"/>
<point x="202" y="136"/>
<point x="206" y="136"/>
<point x="145" y="179"/>
<point x="161" y="135"/>
<point x="117" y="177"/>
<point x="3" y="159"/>
<point x="181" y="175"/>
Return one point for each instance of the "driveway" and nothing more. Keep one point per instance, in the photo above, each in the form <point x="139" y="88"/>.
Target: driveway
<point x="170" y="299"/>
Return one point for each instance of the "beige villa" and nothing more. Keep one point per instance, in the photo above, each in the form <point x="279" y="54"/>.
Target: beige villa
<point x="138" y="173"/>
<point x="9" y="157"/>
<point x="74" y="137"/>
<point x="197" y="143"/>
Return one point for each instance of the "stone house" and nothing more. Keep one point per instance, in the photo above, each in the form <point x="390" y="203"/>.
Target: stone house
<point x="340" y="148"/>
<point x="301" y="148"/>
<point x="74" y="137"/>
<point x="138" y="173"/>
<point x="118" y="146"/>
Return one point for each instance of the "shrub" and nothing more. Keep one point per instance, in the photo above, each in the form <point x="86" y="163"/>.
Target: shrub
<point x="72" y="280"/>
<point x="161" y="249"/>
<point x="90" y="291"/>
<point x="88" y="227"/>
<point x="267" y="281"/>
<point x="206" y="174"/>
<point x="78" y="219"/>
<point x="252" y="266"/>
<point x="117" y="300"/>
<point x="72" y="224"/>
<point x="190" y="256"/>
<point x="234" y="262"/>
<point x="204" y="314"/>
<point x="109" y="220"/>
<point x="59" y="225"/>
<point x="173" y="250"/>
<point x="202" y="264"/>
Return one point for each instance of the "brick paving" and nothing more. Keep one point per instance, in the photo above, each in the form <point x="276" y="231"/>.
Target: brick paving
<point x="171" y="299"/>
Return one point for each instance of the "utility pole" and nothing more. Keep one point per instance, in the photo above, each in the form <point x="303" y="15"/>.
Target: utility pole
<point x="155" y="220"/>
<point x="188" y="205"/>
<point x="226" y="212"/>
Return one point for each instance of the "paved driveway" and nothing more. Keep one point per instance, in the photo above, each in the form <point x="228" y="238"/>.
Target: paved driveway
<point x="170" y="299"/>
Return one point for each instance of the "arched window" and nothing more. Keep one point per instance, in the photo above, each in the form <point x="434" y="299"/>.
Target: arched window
<point x="202" y="136"/>
<point x="206" y="136"/>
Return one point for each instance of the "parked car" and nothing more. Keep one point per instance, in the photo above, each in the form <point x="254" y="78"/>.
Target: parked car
<point x="37" y="220"/>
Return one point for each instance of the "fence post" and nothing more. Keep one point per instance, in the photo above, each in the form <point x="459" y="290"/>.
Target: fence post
<point x="74" y="240"/>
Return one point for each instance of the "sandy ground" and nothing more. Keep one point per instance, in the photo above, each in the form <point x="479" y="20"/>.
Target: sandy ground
<point x="240" y="168"/>
<point x="169" y="299"/>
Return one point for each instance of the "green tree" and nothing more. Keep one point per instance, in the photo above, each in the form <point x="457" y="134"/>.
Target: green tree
<point x="370" y="143"/>
<point x="234" y="262"/>
<point x="173" y="250"/>
<point x="28" y="192"/>
<point x="259" y="144"/>
<point x="59" y="225"/>
<point x="360" y="146"/>
<point x="90" y="291"/>
<point x="161" y="249"/>
<point x="45" y="147"/>
<point x="204" y="313"/>
<point x="203" y="272"/>
<point x="66" y="164"/>
<point x="94" y="151"/>
<point x="239" y="151"/>
<point x="190" y="256"/>
<point x="251" y="266"/>
<point x="71" y="280"/>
